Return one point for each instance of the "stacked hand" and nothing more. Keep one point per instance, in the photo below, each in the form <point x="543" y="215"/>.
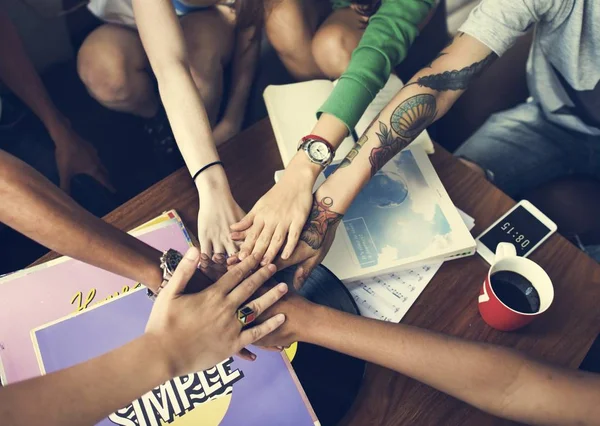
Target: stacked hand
<point x="217" y="212"/>
<point x="316" y="238"/>
<point x="195" y="332"/>
<point x="279" y="215"/>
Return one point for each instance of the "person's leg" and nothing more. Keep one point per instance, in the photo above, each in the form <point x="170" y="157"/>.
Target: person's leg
<point x="210" y="39"/>
<point x="114" y="67"/>
<point x="290" y="27"/>
<point x="518" y="149"/>
<point x="336" y="39"/>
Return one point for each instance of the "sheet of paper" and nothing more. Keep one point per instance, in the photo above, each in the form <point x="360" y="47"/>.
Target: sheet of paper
<point x="388" y="297"/>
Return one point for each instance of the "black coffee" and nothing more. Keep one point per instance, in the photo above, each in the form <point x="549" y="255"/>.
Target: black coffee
<point x="516" y="292"/>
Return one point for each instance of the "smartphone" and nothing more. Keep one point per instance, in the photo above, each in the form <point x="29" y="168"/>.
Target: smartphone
<point x="524" y="226"/>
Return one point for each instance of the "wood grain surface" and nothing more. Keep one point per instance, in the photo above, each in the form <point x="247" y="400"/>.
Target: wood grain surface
<point x="448" y="304"/>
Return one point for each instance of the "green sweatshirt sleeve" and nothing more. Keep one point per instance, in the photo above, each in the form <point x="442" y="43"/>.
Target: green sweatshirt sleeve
<point x="384" y="44"/>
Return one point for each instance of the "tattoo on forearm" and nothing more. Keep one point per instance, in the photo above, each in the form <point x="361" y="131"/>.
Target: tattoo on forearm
<point x="389" y="147"/>
<point x="320" y="220"/>
<point x="408" y="120"/>
<point x="413" y="115"/>
<point x="455" y="79"/>
<point x="353" y="152"/>
<point x="357" y="146"/>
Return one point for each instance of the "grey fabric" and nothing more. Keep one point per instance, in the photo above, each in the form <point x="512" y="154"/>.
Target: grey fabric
<point x="563" y="69"/>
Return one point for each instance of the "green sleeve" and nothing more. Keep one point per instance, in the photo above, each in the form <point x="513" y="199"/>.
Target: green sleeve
<point x="384" y="44"/>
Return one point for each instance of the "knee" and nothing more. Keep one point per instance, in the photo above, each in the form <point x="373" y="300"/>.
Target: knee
<point x="105" y="75"/>
<point x="331" y="51"/>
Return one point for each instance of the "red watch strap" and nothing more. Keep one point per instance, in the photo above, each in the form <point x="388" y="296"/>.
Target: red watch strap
<point x="321" y="139"/>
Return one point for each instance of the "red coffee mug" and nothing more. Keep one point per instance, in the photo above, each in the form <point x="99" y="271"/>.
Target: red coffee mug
<point x="493" y="311"/>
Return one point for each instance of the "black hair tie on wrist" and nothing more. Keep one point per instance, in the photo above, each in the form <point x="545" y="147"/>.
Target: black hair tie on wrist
<point x="214" y="163"/>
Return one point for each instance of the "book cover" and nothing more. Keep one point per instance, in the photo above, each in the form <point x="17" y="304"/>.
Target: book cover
<point x="234" y="392"/>
<point x="41" y="294"/>
<point x="402" y="218"/>
<point x="292" y="109"/>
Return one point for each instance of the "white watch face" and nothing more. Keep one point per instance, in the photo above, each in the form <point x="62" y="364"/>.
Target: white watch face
<point x="318" y="151"/>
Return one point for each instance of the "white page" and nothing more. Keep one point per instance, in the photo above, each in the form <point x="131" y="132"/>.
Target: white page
<point x="388" y="297"/>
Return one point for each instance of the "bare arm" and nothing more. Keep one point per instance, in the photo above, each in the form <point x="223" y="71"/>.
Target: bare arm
<point x="497" y="380"/>
<point x="74" y="155"/>
<point x="494" y="379"/>
<point x="87" y="392"/>
<point x="163" y="41"/>
<point x="36" y="208"/>
<point x="243" y="66"/>
<point x="18" y="73"/>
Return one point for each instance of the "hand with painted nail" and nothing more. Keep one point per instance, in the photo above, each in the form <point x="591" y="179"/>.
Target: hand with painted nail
<point x="278" y="216"/>
<point x="194" y="332"/>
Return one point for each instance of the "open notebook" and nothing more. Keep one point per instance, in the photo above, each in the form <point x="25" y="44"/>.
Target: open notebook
<point x="292" y="110"/>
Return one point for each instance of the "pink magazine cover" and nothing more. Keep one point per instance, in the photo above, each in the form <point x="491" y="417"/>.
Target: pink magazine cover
<point x="45" y="293"/>
<point x="235" y="392"/>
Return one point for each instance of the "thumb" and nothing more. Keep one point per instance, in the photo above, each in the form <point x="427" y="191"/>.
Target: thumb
<point x="244" y="223"/>
<point x="184" y="272"/>
<point x="304" y="270"/>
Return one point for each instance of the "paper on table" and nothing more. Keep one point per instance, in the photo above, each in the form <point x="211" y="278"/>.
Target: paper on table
<point x="388" y="297"/>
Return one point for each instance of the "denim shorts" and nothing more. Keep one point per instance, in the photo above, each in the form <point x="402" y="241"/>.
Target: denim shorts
<point x="519" y="149"/>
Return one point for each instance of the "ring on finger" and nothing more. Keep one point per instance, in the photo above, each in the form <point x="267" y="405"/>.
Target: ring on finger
<point x="246" y="315"/>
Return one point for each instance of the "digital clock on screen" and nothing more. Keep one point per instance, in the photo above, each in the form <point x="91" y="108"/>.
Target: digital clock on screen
<point x="520" y="228"/>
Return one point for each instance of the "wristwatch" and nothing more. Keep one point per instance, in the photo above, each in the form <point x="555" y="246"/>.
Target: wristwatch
<point x="168" y="263"/>
<point x="318" y="150"/>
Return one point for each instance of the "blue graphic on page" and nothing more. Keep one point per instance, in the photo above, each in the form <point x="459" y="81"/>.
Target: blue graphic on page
<point x="396" y="215"/>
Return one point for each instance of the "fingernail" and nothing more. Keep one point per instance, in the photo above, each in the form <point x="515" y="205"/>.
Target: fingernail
<point x="263" y="262"/>
<point x="191" y="254"/>
<point x="272" y="268"/>
<point x="279" y="318"/>
<point x="279" y="347"/>
<point x="253" y="357"/>
<point x="242" y="255"/>
<point x="282" y="288"/>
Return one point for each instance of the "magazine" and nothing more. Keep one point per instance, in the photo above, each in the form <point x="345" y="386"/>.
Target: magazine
<point x="234" y="392"/>
<point x="37" y="295"/>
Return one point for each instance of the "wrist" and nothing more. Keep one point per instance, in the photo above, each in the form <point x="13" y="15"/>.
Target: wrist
<point x="153" y="276"/>
<point x="212" y="180"/>
<point x="59" y="129"/>
<point x="312" y="326"/>
<point x="162" y="364"/>
<point x="302" y="167"/>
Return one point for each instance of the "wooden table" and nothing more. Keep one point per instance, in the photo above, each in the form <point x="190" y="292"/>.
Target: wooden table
<point x="448" y="304"/>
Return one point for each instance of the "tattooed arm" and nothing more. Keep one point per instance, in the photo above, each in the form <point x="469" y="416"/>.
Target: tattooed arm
<point x="426" y="98"/>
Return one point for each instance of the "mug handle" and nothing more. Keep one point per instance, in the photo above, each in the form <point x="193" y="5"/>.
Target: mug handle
<point x="505" y="250"/>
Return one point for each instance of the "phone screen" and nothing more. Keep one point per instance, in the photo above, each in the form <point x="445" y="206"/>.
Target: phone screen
<point x="520" y="228"/>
